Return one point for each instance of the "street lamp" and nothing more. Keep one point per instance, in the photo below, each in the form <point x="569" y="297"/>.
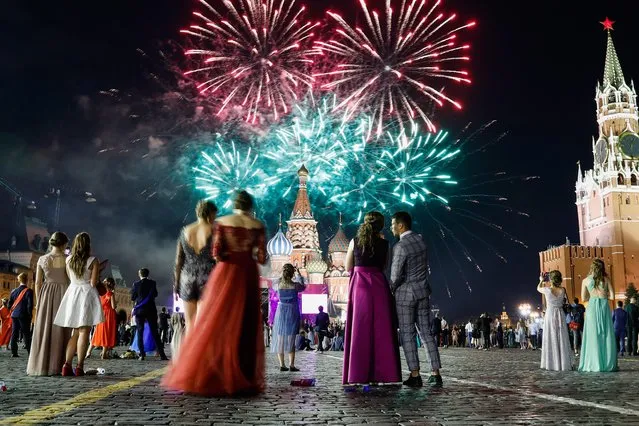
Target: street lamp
<point x="524" y="310"/>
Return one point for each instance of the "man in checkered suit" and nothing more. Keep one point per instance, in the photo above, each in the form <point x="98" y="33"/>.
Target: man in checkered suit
<point x="409" y="284"/>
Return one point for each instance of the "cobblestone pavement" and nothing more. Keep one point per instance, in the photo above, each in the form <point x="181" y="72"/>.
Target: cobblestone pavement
<point x="502" y="387"/>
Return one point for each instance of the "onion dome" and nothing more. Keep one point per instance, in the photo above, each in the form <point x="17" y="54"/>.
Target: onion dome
<point x="279" y="245"/>
<point x="316" y="265"/>
<point x="339" y="243"/>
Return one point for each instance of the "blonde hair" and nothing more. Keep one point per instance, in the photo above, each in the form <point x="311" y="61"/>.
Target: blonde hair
<point x="23" y="277"/>
<point x="80" y="253"/>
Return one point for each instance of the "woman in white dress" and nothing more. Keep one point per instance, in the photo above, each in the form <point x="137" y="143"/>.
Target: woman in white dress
<point x="80" y="308"/>
<point x="556" y="354"/>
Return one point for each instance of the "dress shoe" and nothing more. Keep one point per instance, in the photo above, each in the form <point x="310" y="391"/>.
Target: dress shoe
<point x="293" y="369"/>
<point x="414" y="382"/>
<point x="435" y="380"/>
<point x="141" y="358"/>
<point x="15" y="356"/>
<point x="283" y="368"/>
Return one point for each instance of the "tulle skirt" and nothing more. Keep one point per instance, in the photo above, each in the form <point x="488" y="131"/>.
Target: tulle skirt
<point x="285" y="327"/>
<point x="224" y="352"/>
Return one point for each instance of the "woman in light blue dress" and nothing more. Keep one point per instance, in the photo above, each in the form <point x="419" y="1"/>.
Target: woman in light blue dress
<point x="149" y="343"/>
<point x="286" y="325"/>
<point x="598" y="347"/>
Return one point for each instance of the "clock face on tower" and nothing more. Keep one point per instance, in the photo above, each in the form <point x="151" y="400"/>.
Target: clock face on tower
<point x="629" y="143"/>
<point x="601" y="151"/>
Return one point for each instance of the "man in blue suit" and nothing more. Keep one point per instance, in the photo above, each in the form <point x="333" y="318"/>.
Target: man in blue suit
<point x="619" y="320"/>
<point x="21" y="307"/>
<point x="143" y="295"/>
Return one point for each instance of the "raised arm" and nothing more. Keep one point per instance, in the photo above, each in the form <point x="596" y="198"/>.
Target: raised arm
<point x="114" y="305"/>
<point x="349" y="262"/>
<point x="541" y="285"/>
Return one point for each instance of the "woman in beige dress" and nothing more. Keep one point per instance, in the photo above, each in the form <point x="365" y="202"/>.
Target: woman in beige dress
<point x="49" y="341"/>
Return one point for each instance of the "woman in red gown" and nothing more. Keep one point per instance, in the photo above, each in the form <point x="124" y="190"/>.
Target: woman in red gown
<point x="105" y="333"/>
<point x="224" y="352"/>
<point x="5" y="326"/>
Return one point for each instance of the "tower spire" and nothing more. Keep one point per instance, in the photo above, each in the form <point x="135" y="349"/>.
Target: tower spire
<point x="612" y="68"/>
<point x="302" y="207"/>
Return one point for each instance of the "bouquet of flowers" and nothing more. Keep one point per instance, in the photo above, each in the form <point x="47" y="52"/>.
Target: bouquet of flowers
<point x="573" y="325"/>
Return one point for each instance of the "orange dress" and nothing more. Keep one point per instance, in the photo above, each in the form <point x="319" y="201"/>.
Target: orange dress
<point x="5" y="328"/>
<point x="105" y="332"/>
<point x="224" y="353"/>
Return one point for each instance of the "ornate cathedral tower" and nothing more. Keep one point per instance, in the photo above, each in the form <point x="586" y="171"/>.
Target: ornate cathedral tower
<point x="608" y="195"/>
<point x="279" y="249"/>
<point x="302" y="227"/>
<point x="337" y="277"/>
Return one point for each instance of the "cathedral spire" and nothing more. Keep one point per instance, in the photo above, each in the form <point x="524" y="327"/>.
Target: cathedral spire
<point x="302" y="207"/>
<point x="612" y="68"/>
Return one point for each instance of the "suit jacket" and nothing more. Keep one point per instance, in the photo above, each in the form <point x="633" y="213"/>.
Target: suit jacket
<point x="633" y="315"/>
<point x="619" y="319"/>
<point x="409" y="270"/>
<point x="322" y="321"/>
<point x="24" y="309"/>
<point x="141" y="289"/>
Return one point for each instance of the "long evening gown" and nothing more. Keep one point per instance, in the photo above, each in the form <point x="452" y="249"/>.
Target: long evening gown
<point x="555" y="349"/>
<point x="149" y="343"/>
<point x="105" y="332"/>
<point x="598" y="346"/>
<point x="5" y="327"/>
<point x="224" y="353"/>
<point x="49" y="341"/>
<point x="371" y="349"/>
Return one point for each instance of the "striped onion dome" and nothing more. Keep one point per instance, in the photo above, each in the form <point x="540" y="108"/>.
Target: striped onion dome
<point x="279" y="245"/>
<point x="339" y="243"/>
<point x="316" y="265"/>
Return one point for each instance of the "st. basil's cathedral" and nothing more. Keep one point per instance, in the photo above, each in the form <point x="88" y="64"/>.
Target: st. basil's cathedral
<point x="300" y="246"/>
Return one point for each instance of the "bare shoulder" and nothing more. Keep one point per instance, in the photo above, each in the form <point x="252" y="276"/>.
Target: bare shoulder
<point x="227" y="220"/>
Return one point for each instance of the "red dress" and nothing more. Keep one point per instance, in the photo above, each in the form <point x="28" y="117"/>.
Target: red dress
<point x="224" y="353"/>
<point x="5" y="329"/>
<point x="105" y="332"/>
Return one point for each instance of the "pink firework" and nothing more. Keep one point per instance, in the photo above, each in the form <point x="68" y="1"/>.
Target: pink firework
<point x="254" y="55"/>
<point x="390" y="67"/>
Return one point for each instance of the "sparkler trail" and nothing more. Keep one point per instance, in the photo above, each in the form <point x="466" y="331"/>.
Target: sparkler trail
<point x="254" y="56"/>
<point x="394" y="65"/>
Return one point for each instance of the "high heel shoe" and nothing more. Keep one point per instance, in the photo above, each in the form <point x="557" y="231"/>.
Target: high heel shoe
<point x="79" y="371"/>
<point x="67" y="370"/>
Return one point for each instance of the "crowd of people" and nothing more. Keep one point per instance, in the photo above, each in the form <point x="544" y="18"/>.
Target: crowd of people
<point x="222" y="351"/>
<point x="70" y="303"/>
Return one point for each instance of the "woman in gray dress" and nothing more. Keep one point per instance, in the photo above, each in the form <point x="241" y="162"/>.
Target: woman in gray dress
<point x="49" y="341"/>
<point x="194" y="260"/>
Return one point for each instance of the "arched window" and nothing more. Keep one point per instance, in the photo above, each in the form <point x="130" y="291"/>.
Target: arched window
<point x="624" y="97"/>
<point x="633" y="180"/>
<point x="611" y="97"/>
<point x="621" y="180"/>
<point x="627" y="200"/>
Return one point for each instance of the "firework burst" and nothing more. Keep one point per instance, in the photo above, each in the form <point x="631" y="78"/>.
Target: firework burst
<point x="254" y="56"/>
<point x="390" y="68"/>
<point x="228" y="169"/>
<point x="318" y="140"/>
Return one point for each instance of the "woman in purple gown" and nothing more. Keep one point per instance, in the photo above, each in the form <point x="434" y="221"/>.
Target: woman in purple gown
<point x="371" y="350"/>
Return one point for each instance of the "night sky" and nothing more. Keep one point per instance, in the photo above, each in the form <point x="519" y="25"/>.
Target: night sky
<point x="534" y="69"/>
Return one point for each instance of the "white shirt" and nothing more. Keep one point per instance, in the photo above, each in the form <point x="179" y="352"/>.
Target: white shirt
<point x="403" y="234"/>
<point x="469" y="327"/>
<point x="444" y="324"/>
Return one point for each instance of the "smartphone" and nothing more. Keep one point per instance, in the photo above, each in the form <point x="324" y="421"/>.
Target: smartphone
<point x="546" y="276"/>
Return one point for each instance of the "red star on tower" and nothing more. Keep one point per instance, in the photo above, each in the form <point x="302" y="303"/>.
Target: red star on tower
<point x="607" y="24"/>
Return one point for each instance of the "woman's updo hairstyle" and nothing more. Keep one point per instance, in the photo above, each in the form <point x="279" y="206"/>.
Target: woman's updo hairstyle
<point x="243" y="201"/>
<point x="369" y="230"/>
<point x="555" y="278"/>
<point x="58" y="239"/>
<point x="288" y="272"/>
<point x="205" y="209"/>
